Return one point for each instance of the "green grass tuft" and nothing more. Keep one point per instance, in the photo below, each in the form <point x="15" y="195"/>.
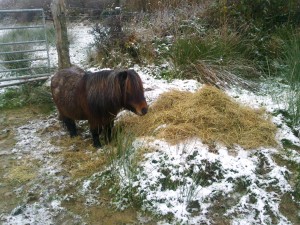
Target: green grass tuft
<point x="27" y="95"/>
<point x="290" y="73"/>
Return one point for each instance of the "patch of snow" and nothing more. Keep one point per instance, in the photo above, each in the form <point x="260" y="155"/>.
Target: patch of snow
<point x="86" y="186"/>
<point x="56" y="204"/>
<point x="30" y="214"/>
<point x="291" y="155"/>
<point x="81" y="40"/>
<point x="284" y="131"/>
<point x="154" y="87"/>
<point x="29" y="141"/>
<point x="33" y="142"/>
<point x="253" y="100"/>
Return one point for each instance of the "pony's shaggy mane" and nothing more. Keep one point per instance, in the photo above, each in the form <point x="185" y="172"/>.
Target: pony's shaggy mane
<point x="104" y="93"/>
<point x="106" y="90"/>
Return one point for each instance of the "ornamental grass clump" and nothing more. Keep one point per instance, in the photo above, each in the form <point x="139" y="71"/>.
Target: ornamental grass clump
<point x="208" y="114"/>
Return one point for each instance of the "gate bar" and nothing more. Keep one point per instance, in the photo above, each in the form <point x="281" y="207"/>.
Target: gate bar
<point x="23" y="42"/>
<point x="23" y="82"/>
<point x="22" y="60"/>
<point x="25" y="51"/>
<point x="20" y="10"/>
<point x="22" y="27"/>
<point x="46" y="39"/>
<point x="20" y="69"/>
<point x="25" y="77"/>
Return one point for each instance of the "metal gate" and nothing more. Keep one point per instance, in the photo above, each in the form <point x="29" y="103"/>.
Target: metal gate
<point x="19" y="60"/>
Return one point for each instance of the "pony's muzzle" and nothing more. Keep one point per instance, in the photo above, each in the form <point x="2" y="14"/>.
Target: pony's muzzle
<point x="141" y="109"/>
<point x="144" y="110"/>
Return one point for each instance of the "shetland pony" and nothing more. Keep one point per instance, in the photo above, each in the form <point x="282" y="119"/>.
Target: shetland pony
<point x="96" y="97"/>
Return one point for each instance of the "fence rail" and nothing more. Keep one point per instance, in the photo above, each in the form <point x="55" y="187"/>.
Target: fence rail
<point x="25" y="77"/>
<point x="23" y="42"/>
<point x="21" y="27"/>
<point x="10" y="69"/>
<point x="24" y="68"/>
<point x="25" y="51"/>
<point x="20" y="10"/>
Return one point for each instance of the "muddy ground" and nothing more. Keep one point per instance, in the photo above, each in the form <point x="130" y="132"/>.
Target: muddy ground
<point x="42" y="183"/>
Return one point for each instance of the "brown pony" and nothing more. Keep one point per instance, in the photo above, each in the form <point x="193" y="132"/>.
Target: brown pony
<point x="96" y="97"/>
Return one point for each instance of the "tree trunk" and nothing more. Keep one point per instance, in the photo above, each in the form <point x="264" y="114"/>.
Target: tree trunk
<point x="62" y="42"/>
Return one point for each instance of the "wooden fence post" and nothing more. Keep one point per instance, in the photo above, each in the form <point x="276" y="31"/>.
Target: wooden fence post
<point x="62" y="42"/>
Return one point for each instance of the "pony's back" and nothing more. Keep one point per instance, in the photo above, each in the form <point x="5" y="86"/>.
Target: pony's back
<point x="67" y="92"/>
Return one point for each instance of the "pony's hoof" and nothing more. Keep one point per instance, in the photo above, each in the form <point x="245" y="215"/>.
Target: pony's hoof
<point x="97" y="145"/>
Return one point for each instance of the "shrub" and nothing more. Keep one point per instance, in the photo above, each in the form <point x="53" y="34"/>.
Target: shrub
<point x="116" y="44"/>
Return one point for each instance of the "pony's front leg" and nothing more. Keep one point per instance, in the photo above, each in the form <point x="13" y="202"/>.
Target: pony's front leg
<point x="71" y="126"/>
<point x="108" y="132"/>
<point x="95" y="135"/>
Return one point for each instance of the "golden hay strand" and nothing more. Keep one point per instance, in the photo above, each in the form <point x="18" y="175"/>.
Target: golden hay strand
<point x="209" y="114"/>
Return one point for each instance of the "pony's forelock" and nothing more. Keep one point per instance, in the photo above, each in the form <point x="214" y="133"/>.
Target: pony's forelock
<point x="135" y="83"/>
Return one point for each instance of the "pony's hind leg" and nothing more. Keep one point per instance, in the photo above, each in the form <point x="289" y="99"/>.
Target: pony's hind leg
<point x="71" y="126"/>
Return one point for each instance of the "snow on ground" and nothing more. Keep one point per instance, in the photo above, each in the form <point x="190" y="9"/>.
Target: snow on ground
<point x="33" y="142"/>
<point x="80" y="44"/>
<point x="188" y="181"/>
<point x="197" y="196"/>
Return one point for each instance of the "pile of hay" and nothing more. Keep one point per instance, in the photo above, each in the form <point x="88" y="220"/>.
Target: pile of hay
<point x="208" y="114"/>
